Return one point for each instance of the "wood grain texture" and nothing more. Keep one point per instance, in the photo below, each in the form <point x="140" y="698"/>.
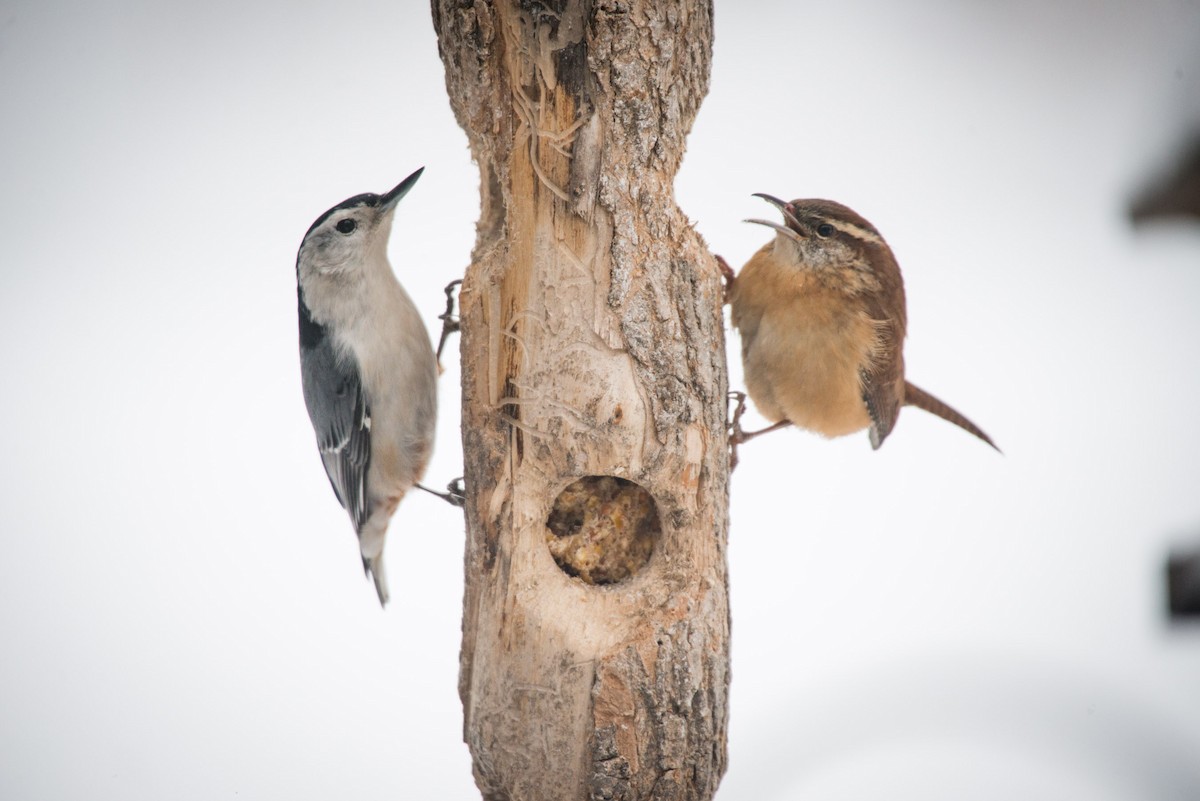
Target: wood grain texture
<point x="592" y="345"/>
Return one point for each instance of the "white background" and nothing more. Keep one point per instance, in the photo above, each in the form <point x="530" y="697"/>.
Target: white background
<point x="182" y="610"/>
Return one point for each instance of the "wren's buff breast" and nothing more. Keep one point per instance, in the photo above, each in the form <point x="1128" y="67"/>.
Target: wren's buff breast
<point x="821" y="313"/>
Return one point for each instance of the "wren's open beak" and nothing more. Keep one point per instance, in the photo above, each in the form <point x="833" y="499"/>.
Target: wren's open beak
<point x="793" y="230"/>
<point x="388" y="201"/>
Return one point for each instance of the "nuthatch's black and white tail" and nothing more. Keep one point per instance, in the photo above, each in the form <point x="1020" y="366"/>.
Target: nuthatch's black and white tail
<point x="373" y="567"/>
<point x="371" y="537"/>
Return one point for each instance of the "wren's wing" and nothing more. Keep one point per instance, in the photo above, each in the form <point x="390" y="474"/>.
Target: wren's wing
<point x="881" y="385"/>
<point x="883" y="374"/>
<point x="340" y="415"/>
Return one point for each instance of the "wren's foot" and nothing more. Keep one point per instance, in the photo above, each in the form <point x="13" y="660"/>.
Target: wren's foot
<point x="737" y="436"/>
<point x="454" y="494"/>
<point x="449" y="320"/>
<point x="727" y="276"/>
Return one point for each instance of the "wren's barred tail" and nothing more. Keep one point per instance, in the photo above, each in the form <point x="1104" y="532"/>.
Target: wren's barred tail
<point x="915" y="396"/>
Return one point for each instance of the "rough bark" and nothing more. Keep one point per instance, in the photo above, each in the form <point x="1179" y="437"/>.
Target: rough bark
<point x="592" y="345"/>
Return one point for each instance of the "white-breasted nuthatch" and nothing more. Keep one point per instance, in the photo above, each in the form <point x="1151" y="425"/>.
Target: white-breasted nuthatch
<point x="367" y="366"/>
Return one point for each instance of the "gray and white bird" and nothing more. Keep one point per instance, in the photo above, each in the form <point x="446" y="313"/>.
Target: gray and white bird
<point x="367" y="365"/>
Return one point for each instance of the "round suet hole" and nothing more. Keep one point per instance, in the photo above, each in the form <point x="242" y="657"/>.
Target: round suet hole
<point x="602" y="529"/>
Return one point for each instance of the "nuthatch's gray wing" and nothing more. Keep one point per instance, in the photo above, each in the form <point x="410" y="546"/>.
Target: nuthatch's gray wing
<point x="340" y="415"/>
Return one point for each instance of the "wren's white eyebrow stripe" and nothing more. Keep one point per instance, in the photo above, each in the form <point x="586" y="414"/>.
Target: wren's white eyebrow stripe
<point x="855" y="231"/>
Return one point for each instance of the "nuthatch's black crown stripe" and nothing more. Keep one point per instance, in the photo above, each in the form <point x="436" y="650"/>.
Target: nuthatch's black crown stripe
<point x="370" y="199"/>
<point x="366" y="199"/>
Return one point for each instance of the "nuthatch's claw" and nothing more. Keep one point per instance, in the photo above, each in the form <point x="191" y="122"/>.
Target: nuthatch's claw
<point x="454" y="494"/>
<point x="449" y="320"/>
<point x="457" y="492"/>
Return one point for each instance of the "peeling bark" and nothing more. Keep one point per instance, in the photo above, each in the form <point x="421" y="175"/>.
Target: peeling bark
<point x="592" y="345"/>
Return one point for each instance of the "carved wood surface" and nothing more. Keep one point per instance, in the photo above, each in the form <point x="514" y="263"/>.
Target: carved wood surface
<point x="592" y="345"/>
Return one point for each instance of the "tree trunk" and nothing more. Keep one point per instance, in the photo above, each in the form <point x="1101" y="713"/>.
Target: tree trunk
<point x="595" y="656"/>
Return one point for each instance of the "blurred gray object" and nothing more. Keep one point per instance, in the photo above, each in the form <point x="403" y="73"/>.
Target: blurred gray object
<point x="1176" y="192"/>
<point x="1183" y="584"/>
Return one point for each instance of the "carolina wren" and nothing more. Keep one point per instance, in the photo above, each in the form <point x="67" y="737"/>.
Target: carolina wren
<point x="820" y="310"/>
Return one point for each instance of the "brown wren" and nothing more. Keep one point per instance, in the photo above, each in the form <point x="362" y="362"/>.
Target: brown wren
<point x="821" y="313"/>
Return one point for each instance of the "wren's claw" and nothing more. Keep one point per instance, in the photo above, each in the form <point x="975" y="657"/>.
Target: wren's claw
<point x="449" y="320"/>
<point x="737" y="436"/>
<point x="735" y="423"/>
<point x="727" y="277"/>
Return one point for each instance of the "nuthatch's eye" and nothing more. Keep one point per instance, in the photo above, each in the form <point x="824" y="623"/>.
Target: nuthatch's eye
<point x="346" y="226"/>
<point x="825" y="230"/>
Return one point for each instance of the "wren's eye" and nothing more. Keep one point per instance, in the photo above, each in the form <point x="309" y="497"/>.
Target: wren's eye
<point x="825" y="230"/>
<point x="347" y="225"/>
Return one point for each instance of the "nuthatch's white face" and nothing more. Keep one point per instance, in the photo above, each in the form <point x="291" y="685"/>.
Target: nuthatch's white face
<point x="341" y="242"/>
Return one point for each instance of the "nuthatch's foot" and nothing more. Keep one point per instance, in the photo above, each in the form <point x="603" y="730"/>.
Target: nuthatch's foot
<point x="449" y="321"/>
<point x="737" y="436"/>
<point x="727" y="276"/>
<point x="454" y="494"/>
<point x="456" y="491"/>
